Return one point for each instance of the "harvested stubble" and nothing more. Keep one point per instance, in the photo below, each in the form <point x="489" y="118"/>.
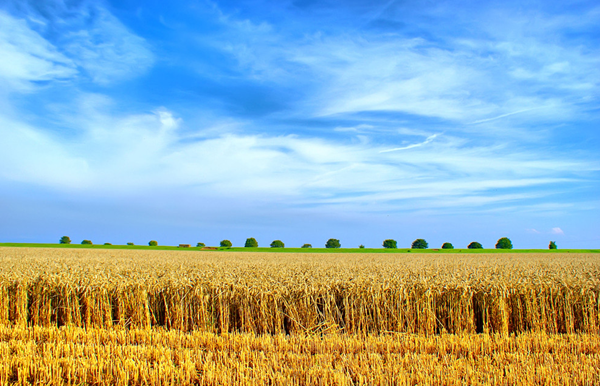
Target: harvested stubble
<point x="300" y="293"/>
<point x="117" y="356"/>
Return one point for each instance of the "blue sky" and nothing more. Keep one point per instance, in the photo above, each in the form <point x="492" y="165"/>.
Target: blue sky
<point x="198" y="121"/>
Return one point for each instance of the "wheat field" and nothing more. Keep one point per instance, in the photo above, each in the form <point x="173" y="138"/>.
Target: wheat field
<point x="73" y="316"/>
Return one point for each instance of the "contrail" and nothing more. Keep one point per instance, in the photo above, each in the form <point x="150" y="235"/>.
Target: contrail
<point x="504" y="115"/>
<point x="429" y="139"/>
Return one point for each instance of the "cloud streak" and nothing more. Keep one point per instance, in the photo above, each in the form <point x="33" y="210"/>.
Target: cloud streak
<point x="429" y="139"/>
<point x="503" y="116"/>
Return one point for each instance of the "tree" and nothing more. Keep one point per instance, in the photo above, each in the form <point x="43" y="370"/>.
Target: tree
<point x="306" y="246"/>
<point x="333" y="243"/>
<point x="153" y="243"/>
<point x="130" y="243"/>
<point x="419" y="244"/>
<point x="251" y="243"/>
<point x="226" y="244"/>
<point x="552" y="245"/>
<point x="504" y="243"/>
<point x="390" y="244"/>
<point x="475" y="245"/>
<point x="65" y="240"/>
<point x="86" y="242"/>
<point x="361" y="246"/>
<point x="447" y="246"/>
<point x="277" y="244"/>
<point x="200" y="245"/>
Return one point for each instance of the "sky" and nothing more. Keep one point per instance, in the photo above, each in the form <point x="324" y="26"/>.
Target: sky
<point x="198" y="121"/>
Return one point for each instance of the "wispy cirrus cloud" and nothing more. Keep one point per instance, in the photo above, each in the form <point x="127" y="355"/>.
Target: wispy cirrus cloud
<point x="28" y="57"/>
<point x="462" y="79"/>
<point x="83" y="37"/>
<point x="119" y="153"/>
<point x="106" y="50"/>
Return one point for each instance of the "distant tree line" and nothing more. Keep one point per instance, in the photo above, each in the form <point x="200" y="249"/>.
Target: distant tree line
<point x="502" y="243"/>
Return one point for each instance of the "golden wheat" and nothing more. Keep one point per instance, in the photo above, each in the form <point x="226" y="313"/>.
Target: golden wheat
<point x="301" y="293"/>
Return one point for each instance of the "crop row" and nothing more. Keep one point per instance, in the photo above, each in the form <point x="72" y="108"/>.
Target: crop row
<point x="295" y="293"/>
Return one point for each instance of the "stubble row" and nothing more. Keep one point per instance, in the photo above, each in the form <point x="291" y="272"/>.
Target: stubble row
<point x="119" y="356"/>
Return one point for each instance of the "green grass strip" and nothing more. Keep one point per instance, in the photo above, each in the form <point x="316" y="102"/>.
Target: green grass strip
<point x="298" y="250"/>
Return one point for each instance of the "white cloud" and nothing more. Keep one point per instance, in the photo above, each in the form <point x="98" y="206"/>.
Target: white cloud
<point x="390" y="75"/>
<point x="27" y="57"/>
<point x="106" y="49"/>
<point x="519" y="74"/>
<point x="114" y="154"/>
<point x="355" y="129"/>
<point x="28" y="155"/>
<point x="557" y="231"/>
<point x="67" y="39"/>
<point x="167" y="119"/>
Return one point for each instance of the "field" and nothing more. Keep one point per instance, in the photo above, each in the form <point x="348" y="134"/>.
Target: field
<point x="104" y="316"/>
